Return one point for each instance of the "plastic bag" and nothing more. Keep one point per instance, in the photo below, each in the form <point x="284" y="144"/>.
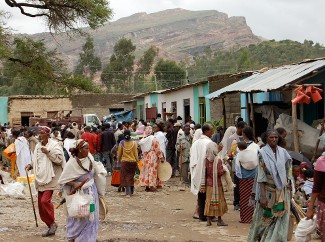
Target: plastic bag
<point x="100" y="178"/>
<point x="15" y="189"/>
<point x="304" y="229"/>
<point x="78" y="204"/>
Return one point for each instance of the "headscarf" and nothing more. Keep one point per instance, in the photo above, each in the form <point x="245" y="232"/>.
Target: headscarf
<point x="148" y="131"/>
<point x="44" y="129"/>
<point x="320" y="164"/>
<point x="146" y="142"/>
<point x="80" y="143"/>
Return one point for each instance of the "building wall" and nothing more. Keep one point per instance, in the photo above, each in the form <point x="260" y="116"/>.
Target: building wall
<point x="39" y="105"/>
<point x="193" y="93"/>
<point x="3" y="110"/>
<point x="99" y="104"/>
<point x="232" y="103"/>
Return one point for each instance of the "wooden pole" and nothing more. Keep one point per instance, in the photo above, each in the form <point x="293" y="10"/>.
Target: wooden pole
<point x="294" y="124"/>
<point x="31" y="197"/>
<point x="247" y="109"/>
<point x="252" y="113"/>
<point x="224" y="114"/>
<point x="180" y="161"/>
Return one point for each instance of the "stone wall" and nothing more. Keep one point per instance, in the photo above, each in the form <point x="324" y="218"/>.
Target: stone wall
<point x="38" y="105"/>
<point x="100" y="104"/>
<point x="232" y="103"/>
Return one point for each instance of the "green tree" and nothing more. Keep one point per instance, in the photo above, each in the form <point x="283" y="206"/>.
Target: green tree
<point x="142" y="78"/>
<point x="117" y="75"/>
<point x="169" y="74"/>
<point x="33" y="69"/>
<point x="63" y="15"/>
<point x="88" y="63"/>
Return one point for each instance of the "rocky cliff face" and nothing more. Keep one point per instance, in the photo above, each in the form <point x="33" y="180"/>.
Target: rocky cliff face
<point x="178" y="34"/>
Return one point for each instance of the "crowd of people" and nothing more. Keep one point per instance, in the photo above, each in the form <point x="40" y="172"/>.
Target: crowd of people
<point x="262" y="174"/>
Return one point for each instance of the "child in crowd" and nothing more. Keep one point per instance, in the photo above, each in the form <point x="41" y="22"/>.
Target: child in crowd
<point x="307" y="187"/>
<point x="241" y="145"/>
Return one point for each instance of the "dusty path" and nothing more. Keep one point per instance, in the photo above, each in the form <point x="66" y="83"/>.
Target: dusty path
<point x="162" y="216"/>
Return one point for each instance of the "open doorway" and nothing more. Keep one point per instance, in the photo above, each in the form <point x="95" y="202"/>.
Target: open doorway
<point x="187" y="108"/>
<point x="25" y="118"/>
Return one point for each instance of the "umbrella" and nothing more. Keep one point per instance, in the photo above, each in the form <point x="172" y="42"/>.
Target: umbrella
<point x="299" y="157"/>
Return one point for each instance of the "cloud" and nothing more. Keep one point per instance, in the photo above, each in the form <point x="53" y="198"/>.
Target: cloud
<point x="271" y="19"/>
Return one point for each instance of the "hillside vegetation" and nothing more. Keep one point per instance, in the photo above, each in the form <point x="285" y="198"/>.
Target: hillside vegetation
<point x="265" y="54"/>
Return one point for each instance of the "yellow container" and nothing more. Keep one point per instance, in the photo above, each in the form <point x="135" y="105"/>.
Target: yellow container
<point x="22" y="179"/>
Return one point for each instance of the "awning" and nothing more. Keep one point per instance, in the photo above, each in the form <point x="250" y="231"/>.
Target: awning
<point x="272" y="79"/>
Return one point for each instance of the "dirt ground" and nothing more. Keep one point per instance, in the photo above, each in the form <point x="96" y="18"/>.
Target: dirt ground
<point x="162" y="216"/>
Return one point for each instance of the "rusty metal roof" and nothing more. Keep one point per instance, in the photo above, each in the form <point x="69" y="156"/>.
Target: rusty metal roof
<point x="272" y="79"/>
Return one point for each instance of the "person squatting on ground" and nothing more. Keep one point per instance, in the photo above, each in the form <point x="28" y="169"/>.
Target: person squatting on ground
<point x="47" y="162"/>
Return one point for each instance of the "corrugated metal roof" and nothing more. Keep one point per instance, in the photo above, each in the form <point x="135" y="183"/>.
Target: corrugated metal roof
<point x="171" y="89"/>
<point x="272" y="79"/>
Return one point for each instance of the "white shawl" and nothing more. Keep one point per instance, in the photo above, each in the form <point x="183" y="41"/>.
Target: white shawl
<point x="145" y="143"/>
<point x="197" y="162"/>
<point x="42" y="165"/>
<point x="23" y="154"/>
<point x="162" y="141"/>
<point x="248" y="158"/>
<point x="72" y="170"/>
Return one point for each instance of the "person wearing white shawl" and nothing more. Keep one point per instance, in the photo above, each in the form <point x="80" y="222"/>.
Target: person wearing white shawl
<point x="47" y="163"/>
<point x="215" y="203"/>
<point x="158" y="133"/>
<point x="22" y="152"/>
<point x="152" y="156"/>
<point x="81" y="166"/>
<point x="197" y="169"/>
<point x="246" y="162"/>
<point x="272" y="212"/>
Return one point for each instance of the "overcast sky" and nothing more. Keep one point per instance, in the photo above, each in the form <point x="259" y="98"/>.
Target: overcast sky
<point x="271" y="19"/>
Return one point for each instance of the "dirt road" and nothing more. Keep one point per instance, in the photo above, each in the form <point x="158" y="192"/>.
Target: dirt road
<point x="162" y="216"/>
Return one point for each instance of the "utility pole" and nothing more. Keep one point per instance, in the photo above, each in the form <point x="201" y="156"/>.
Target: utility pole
<point x="156" y="84"/>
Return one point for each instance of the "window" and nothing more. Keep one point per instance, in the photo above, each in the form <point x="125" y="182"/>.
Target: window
<point x="163" y="110"/>
<point x="173" y="107"/>
<point x="202" y="110"/>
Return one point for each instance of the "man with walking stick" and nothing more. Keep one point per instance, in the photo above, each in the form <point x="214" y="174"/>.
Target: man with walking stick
<point x="47" y="163"/>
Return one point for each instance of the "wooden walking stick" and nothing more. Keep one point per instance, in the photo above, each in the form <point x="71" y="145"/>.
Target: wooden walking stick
<point x="180" y="161"/>
<point x="317" y="143"/>
<point x="31" y="196"/>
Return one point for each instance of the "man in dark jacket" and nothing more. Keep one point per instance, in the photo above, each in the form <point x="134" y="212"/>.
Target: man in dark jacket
<point x="107" y="141"/>
<point x="171" y="148"/>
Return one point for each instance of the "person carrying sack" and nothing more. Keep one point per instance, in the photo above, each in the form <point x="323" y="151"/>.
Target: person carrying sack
<point x="85" y="204"/>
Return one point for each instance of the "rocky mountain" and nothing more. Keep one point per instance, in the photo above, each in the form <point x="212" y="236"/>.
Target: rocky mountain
<point x="178" y="34"/>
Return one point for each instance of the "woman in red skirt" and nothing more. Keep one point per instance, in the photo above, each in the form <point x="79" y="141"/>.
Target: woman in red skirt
<point x="246" y="163"/>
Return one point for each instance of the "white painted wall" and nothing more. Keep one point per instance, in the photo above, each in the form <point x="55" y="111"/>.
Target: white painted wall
<point x="178" y="96"/>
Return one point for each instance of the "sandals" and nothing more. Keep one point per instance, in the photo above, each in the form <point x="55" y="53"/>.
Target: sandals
<point x="51" y="231"/>
<point x="221" y="223"/>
